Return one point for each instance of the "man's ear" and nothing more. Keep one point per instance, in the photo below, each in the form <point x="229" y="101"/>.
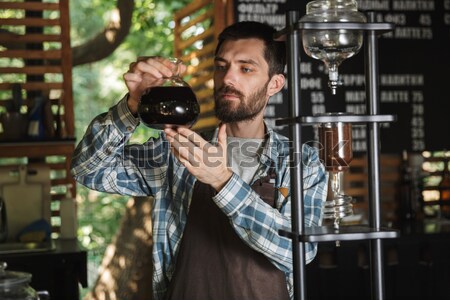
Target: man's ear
<point x="275" y="85"/>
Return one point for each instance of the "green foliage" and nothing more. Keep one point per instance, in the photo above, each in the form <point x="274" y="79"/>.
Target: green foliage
<point x="101" y="214"/>
<point x="87" y="17"/>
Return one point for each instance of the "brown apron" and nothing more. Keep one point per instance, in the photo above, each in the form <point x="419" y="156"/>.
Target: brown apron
<point x="214" y="263"/>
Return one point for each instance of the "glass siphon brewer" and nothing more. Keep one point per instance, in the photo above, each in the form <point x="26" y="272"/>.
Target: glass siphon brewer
<point x="332" y="46"/>
<point x="169" y="102"/>
<point x="336" y="153"/>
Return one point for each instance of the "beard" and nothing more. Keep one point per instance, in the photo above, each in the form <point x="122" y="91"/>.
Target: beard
<point x="246" y="109"/>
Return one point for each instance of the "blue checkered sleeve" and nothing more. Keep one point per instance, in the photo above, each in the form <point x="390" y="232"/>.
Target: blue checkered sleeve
<point x="103" y="160"/>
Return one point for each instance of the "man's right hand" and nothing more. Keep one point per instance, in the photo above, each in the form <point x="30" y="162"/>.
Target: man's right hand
<point x="146" y="72"/>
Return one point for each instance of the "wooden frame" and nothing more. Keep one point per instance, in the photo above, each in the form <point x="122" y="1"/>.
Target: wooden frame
<point x="45" y="69"/>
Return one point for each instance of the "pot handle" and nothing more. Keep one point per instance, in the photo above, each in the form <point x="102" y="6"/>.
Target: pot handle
<point x="3" y="266"/>
<point x="43" y="295"/>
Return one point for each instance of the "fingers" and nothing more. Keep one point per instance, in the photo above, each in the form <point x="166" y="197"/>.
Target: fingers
<point x="222" y="135"/>
<point x="145" y="72"/>
<point x="132" y="77"/>
<point x="182" y="69"/>
<point x="186" y="140"/>
<point x="206" y="162"/>
<point x="187" y="135"/>
<point x="183" y="153"/>
<point x="192" y="147"/>
<point x="156" y="66"/>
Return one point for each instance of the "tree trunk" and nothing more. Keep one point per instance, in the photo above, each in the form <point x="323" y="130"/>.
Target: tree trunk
<point x="126" y="269"/>
<point x="101" y="45"/>
<point x="104" y="43"/>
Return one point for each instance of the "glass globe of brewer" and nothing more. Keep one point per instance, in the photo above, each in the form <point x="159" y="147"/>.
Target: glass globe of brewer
<point x="169" y="103"/>
<point x="332" y="46"/>
<point x="336" y="145"/>
<point x="336" y="153"/>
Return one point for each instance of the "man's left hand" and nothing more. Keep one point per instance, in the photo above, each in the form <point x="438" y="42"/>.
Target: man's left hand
<point x="207" y="162"/>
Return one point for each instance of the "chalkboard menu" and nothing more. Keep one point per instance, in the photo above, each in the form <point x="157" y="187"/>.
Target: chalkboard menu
<point x="414" y="65"/>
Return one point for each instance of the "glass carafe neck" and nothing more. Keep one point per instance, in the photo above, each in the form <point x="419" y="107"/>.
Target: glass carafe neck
<point x="327" y="5"/>
<point x="176" y="62"/>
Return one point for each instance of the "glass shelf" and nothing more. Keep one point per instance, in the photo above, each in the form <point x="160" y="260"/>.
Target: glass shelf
<point x="344" y="233"/>
<point x="379" y="27"/>
<point x="337" y="118"/>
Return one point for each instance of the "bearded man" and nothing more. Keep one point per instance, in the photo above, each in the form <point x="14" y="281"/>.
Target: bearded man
<point x="219" y="203"/>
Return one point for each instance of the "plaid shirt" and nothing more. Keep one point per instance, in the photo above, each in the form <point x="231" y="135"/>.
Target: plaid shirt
<point x="103" y="161"/>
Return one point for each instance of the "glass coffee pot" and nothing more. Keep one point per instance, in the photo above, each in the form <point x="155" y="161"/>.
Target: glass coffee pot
<point x="15" y="286"/>
<point x="169" y="103"/>
<point x="332" y="46"/>
<point x="336" y="154"/>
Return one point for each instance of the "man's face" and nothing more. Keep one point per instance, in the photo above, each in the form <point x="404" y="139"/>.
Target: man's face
<point x="240" y="80"/>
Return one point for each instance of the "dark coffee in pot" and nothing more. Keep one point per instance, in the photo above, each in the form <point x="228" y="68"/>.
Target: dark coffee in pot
<point x="168" y="106"/>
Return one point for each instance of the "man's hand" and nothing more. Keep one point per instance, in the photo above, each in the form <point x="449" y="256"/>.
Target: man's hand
<point x="208" y="163"/>
<point x="146" y="72"/>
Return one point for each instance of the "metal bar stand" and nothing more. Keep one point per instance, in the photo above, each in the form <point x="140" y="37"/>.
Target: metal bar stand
<point x="372" y="96"/>
<point x="299" y="234"/>
<point x="298" y="249"/>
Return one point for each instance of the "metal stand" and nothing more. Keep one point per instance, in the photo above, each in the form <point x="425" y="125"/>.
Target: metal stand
<point x="299" y="233"/>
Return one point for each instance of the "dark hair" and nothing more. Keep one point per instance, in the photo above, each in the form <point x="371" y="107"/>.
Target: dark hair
<point x="274" y="52"/>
